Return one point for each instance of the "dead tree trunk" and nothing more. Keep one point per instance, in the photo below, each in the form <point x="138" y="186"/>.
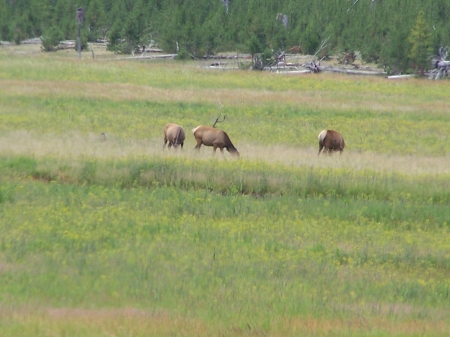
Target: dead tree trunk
<point x="441" y="66"/>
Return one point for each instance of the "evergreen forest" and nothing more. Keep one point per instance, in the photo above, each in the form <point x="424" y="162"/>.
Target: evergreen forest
<point x="399" y="35"/>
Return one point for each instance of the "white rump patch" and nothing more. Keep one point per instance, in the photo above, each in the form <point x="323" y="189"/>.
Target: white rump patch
<point x="322" y="135"/>
<point x="193" y="130"/>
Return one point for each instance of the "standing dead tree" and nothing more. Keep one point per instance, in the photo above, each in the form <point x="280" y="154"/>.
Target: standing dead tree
<point x="283" y="19"/>
<point x="226" y="4"/>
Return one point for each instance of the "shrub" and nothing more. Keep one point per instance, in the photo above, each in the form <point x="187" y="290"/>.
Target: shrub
<point x="51" y="38"/>
<point x="183" y="55"/>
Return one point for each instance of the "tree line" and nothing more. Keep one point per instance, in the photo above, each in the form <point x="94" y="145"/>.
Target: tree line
<point x="399" y="35"/>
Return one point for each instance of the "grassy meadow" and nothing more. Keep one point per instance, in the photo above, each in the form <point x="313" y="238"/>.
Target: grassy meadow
<point x="121" y="238"/>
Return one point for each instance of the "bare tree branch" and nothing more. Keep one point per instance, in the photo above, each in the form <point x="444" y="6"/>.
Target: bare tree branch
<point x="352" y="5"/>
<point x="441" y="66"/>
<point x="324" y="45"/>
<point x="356" y="1"/>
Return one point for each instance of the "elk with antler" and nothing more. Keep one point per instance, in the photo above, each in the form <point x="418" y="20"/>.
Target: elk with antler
<point x="174" y="134"/>
<point x="210" y="136"/>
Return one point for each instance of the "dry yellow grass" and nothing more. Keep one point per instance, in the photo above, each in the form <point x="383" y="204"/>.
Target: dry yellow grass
<point x="91" y="146"/>
<point x="229" y="97"/>
<point x="136" y="322"/>
<point x="369" y="101"/>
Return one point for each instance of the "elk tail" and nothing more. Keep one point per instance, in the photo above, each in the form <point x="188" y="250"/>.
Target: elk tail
<point x="322" y="135"/>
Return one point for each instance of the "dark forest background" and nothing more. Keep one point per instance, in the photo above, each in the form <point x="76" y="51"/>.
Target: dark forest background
<point x="397" y="34"/>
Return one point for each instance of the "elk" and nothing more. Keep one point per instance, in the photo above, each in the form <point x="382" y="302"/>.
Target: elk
<point x="330" y="140"/>
<point x="210" y="136"/>
<point x="174" y="134"/>
<point x="295" y="50"/>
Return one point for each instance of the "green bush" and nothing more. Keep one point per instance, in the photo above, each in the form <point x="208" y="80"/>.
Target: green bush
<point x="182" y="55"/>
<point x="51" y="38"/>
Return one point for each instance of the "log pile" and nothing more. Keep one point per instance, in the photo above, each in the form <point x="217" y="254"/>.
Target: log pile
<point x="69" y="44"/>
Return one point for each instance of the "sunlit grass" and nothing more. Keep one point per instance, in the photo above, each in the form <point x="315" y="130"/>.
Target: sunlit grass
<point x="136" y="99"/>
<point x="118" y="237"/>
<point x="228" y="260"/>
<point x="295" y="126"/>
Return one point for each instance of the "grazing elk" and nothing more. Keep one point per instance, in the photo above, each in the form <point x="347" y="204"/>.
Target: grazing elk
<point x="295" y="50"/>
<point x="174" y="134"/>
<point x="210" y="136"/>
<point x="331" y="140"/>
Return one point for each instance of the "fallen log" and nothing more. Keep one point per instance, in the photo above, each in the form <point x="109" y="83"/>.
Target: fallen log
<point x="399" y="77"/>
<point x="362" y="72"/>
<point x="141" y="57"/>
<point x="35" y="40"/>
<point x="153" y="50"/>
<point x="66" y="45"/>
<point x="315" y="68"/>
<point x="293" y="72"/>
<point x="218" y="64"/>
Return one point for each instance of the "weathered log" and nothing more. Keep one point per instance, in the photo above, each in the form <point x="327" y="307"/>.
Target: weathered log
<point x="141" y="57"/>
<point x="399" y="77"/>
<point x="66" y="45"/>
<point x="352" y="71"/>
<point x="293" y="72"/>
<point x="35" y="40"/>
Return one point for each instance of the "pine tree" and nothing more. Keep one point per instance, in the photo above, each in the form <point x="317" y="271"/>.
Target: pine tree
<point x="95" y="20"/>
<point x="116" y="19"/>
<point x="420" y="41"/>
<point x="200" y="26"/>
<point x="5" y="22"/>
<point x="394" y="50"/>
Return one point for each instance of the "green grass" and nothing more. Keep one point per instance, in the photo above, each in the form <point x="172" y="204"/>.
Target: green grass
<point x="231" y="260"/>
<point x="265" y="125"/>
<point x="120" y="238"/>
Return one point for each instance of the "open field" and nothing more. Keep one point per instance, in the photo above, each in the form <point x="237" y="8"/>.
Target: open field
<point x="121" y="238"/>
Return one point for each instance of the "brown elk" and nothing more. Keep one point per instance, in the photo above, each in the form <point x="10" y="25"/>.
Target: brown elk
<point x="331" y="140"/>
<point x="295" y="50"/>
<point x="210" y="136"/>
<point x="174" y="134"/>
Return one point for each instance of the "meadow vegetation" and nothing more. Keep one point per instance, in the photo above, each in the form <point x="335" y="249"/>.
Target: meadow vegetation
<point x="121" y="238"/>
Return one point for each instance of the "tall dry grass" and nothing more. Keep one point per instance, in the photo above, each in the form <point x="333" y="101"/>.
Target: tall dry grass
<point x="113" y="322"/>
<point x="91" y="146"/>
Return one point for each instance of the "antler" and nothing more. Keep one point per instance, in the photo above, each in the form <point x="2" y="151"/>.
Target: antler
<point x="218" y="121"/>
